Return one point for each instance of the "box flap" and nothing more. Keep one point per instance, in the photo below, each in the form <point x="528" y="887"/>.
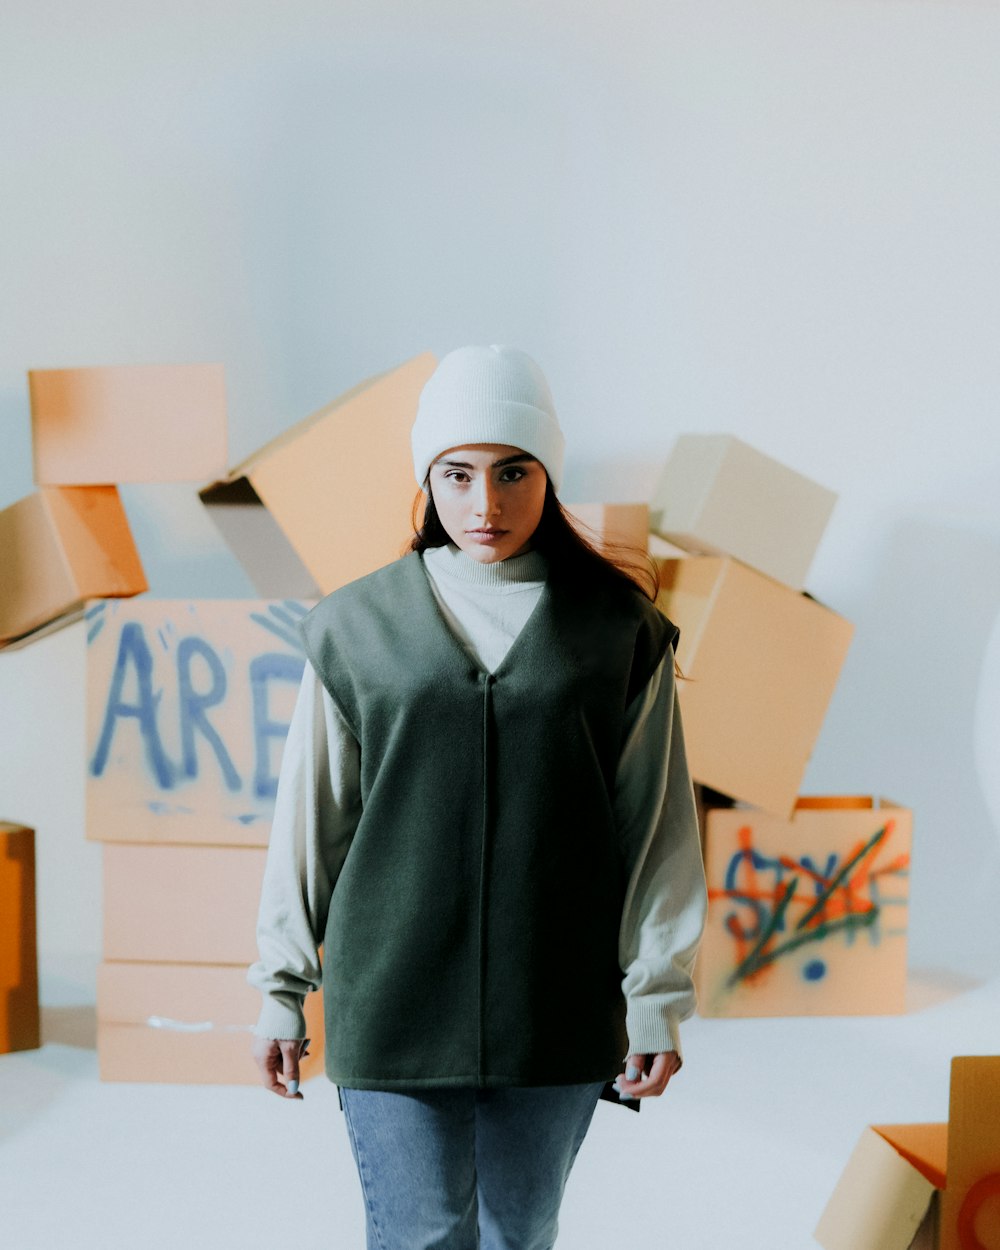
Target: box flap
<point x="246" y="466"/>
<point x="925" y="1146"/>
<point x="879" y="1202"/>
<point x="316" y="479"/>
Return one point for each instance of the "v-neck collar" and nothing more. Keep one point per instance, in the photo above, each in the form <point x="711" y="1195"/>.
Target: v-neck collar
<point x="540" y="620"/>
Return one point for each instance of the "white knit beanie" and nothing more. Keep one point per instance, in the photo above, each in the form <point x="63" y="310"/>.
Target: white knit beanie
<point x="490" y="394"/>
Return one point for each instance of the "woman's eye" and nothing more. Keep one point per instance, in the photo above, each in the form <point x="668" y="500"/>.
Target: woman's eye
<point x="511" y="475"/>
<point x="456" y="475"/>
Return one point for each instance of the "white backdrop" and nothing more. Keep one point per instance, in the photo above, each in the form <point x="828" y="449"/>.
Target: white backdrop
<point x="772" y="219"/>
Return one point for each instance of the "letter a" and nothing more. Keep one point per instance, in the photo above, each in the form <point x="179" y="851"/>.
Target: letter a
<point x="132" y="648"/>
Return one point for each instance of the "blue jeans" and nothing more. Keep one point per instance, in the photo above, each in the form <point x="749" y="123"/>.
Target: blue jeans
<point x="465" y="1168"/>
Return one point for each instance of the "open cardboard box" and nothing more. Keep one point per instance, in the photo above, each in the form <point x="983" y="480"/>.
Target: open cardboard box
<point x="19" y="1016"/>
<point x="59" y="547"/>
<point x="719" y="496"/>
<point x="128" y="423"/>
<point x="186" y="1024"/>
<point x="925" y="1186"/>
<point x="806" y="916"/>
<point x="331" y="498"/>
<point x="188" y="707"/>
<point x="763" y="662"/>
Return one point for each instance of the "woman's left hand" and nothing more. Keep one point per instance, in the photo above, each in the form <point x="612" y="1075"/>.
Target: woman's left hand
<point x="653" y="1074"/>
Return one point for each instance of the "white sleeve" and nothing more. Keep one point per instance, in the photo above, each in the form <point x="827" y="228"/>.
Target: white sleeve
<point x="666" y="898"/>
<point x="316" y="811"/>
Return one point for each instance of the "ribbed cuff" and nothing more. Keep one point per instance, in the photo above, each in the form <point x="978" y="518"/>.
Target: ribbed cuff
<point x="651" y="1028"/>
<point x="281" y="1017"/>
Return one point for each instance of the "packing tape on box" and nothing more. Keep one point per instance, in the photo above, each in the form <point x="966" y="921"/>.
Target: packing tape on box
<point x="199" y="1026"/>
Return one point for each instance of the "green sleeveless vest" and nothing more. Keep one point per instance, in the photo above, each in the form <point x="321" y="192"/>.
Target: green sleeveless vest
<point x="472" y="936"/>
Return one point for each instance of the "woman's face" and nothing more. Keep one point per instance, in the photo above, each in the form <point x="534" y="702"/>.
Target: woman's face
<point x="489" y="498"/>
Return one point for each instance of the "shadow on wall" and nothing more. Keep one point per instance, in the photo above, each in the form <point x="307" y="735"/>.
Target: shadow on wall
<point x="903" y="723"/>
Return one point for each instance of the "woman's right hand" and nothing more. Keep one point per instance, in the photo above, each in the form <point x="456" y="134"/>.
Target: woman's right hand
<point x="278" y="1060"/>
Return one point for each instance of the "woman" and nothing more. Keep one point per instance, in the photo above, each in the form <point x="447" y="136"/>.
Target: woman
<point x="485" y="816"/>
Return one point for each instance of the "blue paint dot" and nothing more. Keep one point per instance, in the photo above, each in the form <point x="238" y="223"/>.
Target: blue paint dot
<point x="815" y="970"/>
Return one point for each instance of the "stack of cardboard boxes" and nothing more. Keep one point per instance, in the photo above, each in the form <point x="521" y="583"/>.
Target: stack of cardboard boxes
<point x="188" y="701"/>
<point x="65" y="542"/>
<point x="188" y="708"/>
<point x="808" y="897"/>
<point x="188" y="705"/>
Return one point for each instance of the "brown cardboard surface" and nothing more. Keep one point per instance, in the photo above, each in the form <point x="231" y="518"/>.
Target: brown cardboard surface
<point x="181" y="904"/>
<point x="719" y="496"/>
<point x="764" y="662"/>
<point x="970" y="1209"/>
<point x="188" y="706"/>
<point x="613" y="524"/>
<point x="880" y="1202"/>
<point x="315" y="481"/>
<point x="186" y="1024"/>
<point x="19" y="1016"/>
<point x="58" y="547"/>
<point x="128" y="423"/>
<point x="924" y="1146"/>
<point x="131" y="1052"/>
<point x="807" y="916"/>
<point x="828" y="802"/>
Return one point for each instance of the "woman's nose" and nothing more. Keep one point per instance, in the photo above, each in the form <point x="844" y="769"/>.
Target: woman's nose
<point x="487" y="498"/>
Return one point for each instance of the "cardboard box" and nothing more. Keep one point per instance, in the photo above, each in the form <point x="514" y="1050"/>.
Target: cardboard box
<point x="332" y="498"/>
<point x="188" y="707"/>
<point x="970" y="1204"/>
<point x="718" y="496"/>
<point x="806" y="916"/>
<point x="763" y="662"/>
<point x="925" y="1186"/>
<point x="613" y="524"/>
<point x="182" y="904"/>
<point x="59" y="547"/>
<point x="887" y="1197"/>
<point x="19" y="1016"/>
<point x="128" y="423"/>
<point x="186" y="1024"/>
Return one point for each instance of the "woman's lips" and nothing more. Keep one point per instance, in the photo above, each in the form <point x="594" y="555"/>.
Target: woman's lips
<point x="486" y="536"/>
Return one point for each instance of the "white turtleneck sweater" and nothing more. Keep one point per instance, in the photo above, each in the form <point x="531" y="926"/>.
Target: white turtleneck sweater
<point x="317" y="807"/>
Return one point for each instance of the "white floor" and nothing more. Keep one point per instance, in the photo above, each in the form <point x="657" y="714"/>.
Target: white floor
<point x="743" y="1149"/>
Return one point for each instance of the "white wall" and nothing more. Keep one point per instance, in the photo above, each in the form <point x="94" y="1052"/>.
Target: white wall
<point x="774" y="219"/>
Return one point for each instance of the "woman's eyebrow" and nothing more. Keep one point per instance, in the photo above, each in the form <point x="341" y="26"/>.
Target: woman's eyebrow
<point x="497" y="464"/>
<point x="521" y="455"/>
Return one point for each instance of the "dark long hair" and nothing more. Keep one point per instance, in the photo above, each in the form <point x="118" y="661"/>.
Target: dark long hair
<point x="563" y="540"/>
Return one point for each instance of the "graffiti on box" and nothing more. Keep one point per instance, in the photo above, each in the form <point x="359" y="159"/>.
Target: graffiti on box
<point x="783" y="904"/>
<point x="189" y="705"/>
